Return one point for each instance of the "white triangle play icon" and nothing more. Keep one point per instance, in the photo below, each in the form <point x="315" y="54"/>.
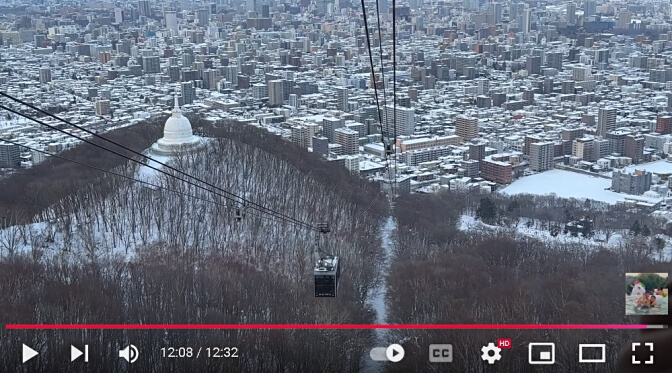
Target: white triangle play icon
<point x="75" y="353"/>
<point x="28" y="353"/>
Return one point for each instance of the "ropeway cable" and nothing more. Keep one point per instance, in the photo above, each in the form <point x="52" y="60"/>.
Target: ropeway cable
<point x="126" y="176"/>
<point x="227" y="195"/>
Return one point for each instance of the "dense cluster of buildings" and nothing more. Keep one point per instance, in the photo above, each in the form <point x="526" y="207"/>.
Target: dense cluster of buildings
<point x="485" y="93"/>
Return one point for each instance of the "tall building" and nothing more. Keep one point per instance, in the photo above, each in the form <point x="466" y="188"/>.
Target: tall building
<point x="203" y="17"/>
<point x="471" y="168"/>
<point x="541" y="156"/>
<point x="102" y="107"/>
<point x="188" y="92"/>
<point x="581" y="73"/>
<point x="118" y="15"/>
<point x="664" y="124"/>
<point x="405" y="121"/>
<point x="10" y="155"/>
<point x="348" y="139"/>
<point x="187" y="60"/>
<point x="617" y="141"/>
<point x="554" y="60"/>
<point x="483" y="102"/>
<point x="321" y="145"/>
<point x="624" y="19"/>
<point x="211" y="78"/>
<point x="151" y="65"/>
<point x="171" y="20"/>
<point x="39" y="39"/>
<point x="231" y="74"/>
<point x="476" y="152"/>
<point x="601" y="147"/>
<point x="384" y="6"/>
<point x="352" y="163"/>
<point x="342" y="97"/>
<point x="300" y="136"/>
<point x="568" y="137"/>
<point x="533" y="65"/>
<point x="584" y="149"/>
<point x="606" y="121"/>
<point x="636" y="183"/>
<point x="45" y="75"/>
<point x="498" y="98"/>
<point x="497" y="11"/>
<point x="145" y="8"/>
<point x="294" y="100"/>
<point x="253" y="6"/>
<point x="259" y="91"/>
<point x="529" y="140"/>
<point x="329" y="125"/>
<point x="275" y="93"/>
<point x="483" y="85"/>
<point x="526" y="27"/>
<point x="466" y="128"/>
<point x="496" y="171"/>
<point x="634" y="148"/>
<point x="571" y="13"/>
<point x="589" y="8"/>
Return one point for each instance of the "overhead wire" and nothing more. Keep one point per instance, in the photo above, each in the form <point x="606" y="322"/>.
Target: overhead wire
<point x="243" y="200"/>
<point x="375" y="85"/>
<point x="226" y="195"/>
<point x="394" y="87"/>
<point x="382" y="65"/>
<point x="140" y="181"/>
<point x="382" y="76"/>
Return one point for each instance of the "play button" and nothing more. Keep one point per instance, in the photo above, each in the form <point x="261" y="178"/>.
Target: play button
<point x="394" y="353"/>
<point x="28" y="353"/>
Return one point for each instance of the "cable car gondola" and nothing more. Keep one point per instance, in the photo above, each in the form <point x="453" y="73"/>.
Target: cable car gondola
<point x="327" y="273"/>
<point x="327" y="269"/>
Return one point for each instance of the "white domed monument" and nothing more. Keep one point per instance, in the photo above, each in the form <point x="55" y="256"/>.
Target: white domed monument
<point x="178" y="137"/>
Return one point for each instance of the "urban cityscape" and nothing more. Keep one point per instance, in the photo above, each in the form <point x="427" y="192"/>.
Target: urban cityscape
<point x="486" y="93"/>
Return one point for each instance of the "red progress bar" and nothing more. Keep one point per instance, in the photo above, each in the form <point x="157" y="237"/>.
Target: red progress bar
<point x="327" y="326"/>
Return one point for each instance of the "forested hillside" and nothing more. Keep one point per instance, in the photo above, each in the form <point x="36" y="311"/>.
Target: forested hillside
<point x="28" y="193"/>
<point x="444" y="275"/>
<point x="115" y="251"/>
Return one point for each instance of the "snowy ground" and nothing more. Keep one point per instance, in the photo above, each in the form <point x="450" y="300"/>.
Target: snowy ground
<point x="661" y="166"/>
<point x="148" y="174"/>
<point x="47" y="239"/>
<point x="376" y="297"/>
<point x="569" y="184"/>
<point x="469" y="223"/>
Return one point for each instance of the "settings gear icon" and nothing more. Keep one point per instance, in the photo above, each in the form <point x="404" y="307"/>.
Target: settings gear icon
<point x="491" y="357"/>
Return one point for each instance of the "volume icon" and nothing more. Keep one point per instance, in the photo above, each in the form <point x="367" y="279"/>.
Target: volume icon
<point x="130" y="353"/>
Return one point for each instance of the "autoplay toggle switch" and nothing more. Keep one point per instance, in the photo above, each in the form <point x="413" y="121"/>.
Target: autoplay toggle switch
<point x="394" y="353"/>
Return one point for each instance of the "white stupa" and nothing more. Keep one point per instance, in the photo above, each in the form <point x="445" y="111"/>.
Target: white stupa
<point x="178" y="137"/>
